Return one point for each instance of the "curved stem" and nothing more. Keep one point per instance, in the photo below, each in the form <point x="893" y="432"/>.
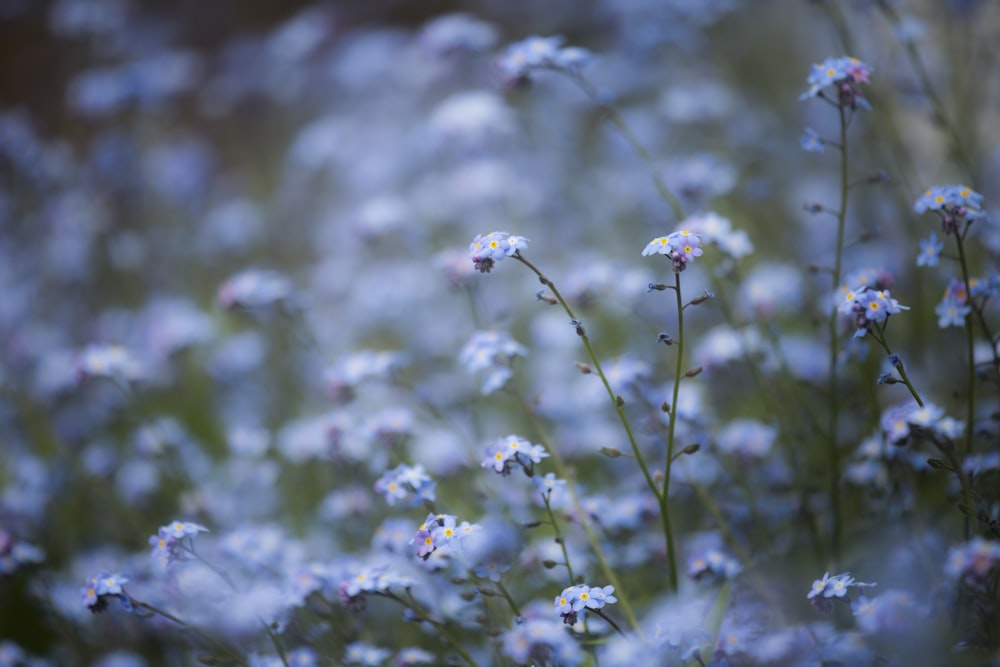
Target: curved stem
<point x="422" y="615"/>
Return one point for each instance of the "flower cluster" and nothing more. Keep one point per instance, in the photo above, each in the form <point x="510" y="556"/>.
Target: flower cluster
<point x="99" y="589"/>
<point x="868" y="306"/>
<point x="512" y="450"/>
<point x="955" y="304"/>
<point x="169" y="542"/>
<point x="955" y="204"/>
<point x="535" y="52"/>
<point x="833" y="588"/>
<point x="680" y="247"/>
<point x="254" y="289"/>
<point x="574" y="601"/>
<point x="845" y="74"/>
<point x="487" y="250"/>
<point x="491" y="352"/>
<point x="973" y="560"/>
<point x="713" y="564"/>
<point x="902" y="421"/>
<point x="368" y="580"/>
<point x="14" y="554"/>
<point x="402" y="481"/>
<point x="715" y="229"/>
<point x="441" y="531"/>
<point x="106" y="360"/>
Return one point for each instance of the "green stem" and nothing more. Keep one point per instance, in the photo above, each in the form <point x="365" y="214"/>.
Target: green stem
<point x="671" y="433"/>
<point x="879" y="335"/>
<point x="595" y="544"/>
<point x="619" y="122"/>
<point x="971" y="376"/>
<point x="510" y="600"/>
<point x="834" y="398"/>
<point x="607" y="387"/>
<point x="559" y="538"/>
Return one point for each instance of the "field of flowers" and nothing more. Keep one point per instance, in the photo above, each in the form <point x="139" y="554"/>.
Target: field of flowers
<point x="599" y="333"/>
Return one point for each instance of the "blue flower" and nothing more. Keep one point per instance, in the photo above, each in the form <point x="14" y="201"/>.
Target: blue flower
<point x="681" y="247"/>
<point x="846" y="74"/>
<point x="951" y="312"/>
<point x="811" y="141"/>
<point x="486" y="251"/>
<point x="930" y="251"/>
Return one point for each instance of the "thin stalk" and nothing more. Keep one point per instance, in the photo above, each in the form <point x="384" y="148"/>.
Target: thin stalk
<point x="834" y="398"/>
<point x="971" y="376"/>
<point x="510" y="600"/>
<point x="559" y="538"/>
<point x="595" y="544"/>
<point x="879" y="335"/>
<point x="671" y="433"/>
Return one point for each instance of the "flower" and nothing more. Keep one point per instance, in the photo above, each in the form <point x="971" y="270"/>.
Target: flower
<point x="512" y="448"/>
<point x="845" y="74"/>
<point x="574" y="600"/>
<point x="951" y="312"/>
<point x="536" y="52"/>
<point x="97" y="590"/>
<point x="492" y="352"/>
<point x="681" y="247"/>
<point x="487" y="250"/>
<point x="867" y="306"/>
<point x="811" y="142"/>
<point x="396" y="484"/>
<point x="930" y="250"/>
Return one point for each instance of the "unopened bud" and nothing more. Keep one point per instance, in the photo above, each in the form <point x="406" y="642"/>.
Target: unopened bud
<point x="532" y="524"/>
<point x="659" y="287"/>
<point x="665" y="339"/>
<point x="813" y="207"/>
<point x="549" y="564"/>
<point x="702" y="298"/>
<point x="541" y="296"/>
<point x="584" y="368"/>
<point x="619" y="401"/>
<point x="658" y="476"/>
<point x="665" y="407"/>
<point x="611" y="452"/>
<point x="691" y="449"/>
<point x="691" y="372"/>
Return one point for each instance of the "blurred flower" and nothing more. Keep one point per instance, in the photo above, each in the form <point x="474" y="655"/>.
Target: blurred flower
<point x="811" y="142"/>
<point x="254" y="288"/>
<point x="535" y="52"/>
<point x="930" y="250"/>
<point x="104" y="360"/>
<point x="491" y="353"/>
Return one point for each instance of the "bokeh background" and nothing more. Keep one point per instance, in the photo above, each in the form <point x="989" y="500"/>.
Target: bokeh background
<point x="346" y="153"/>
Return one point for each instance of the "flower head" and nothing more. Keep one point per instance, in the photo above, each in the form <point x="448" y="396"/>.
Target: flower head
<point x="681" y="247"/>
<point x="845" y="75"/>
<point x="487" y="250"/>
<point x="535" y="52"/>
